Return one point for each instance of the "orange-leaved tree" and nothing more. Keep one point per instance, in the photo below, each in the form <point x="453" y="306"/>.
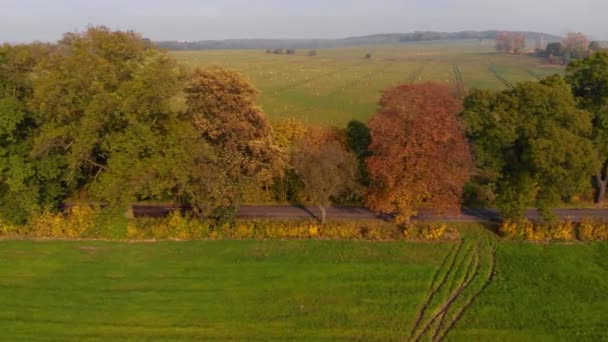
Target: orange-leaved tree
<point x="420" y="155"/>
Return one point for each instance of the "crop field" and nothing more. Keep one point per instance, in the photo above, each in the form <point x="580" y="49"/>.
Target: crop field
<point x="478" y="289"/>
<point x="339" y="85"/>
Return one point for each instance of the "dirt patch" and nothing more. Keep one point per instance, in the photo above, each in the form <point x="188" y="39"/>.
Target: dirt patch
<point x="90" y="248"/>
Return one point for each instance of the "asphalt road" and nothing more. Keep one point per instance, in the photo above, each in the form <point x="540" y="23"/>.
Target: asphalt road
<point x="301" y="212"/>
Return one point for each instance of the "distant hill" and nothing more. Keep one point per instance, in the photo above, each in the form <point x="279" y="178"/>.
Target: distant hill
<point x="377" y="39"/>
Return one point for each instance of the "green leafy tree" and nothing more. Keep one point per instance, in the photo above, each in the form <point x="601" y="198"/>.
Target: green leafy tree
<point x="589" y="81"/>
<point x="27" y="184"/>
<point x="97" y="85"/>
<point x="533" y="141"/>
<point x="359" y="139"/>
<point x="64" y="108"/>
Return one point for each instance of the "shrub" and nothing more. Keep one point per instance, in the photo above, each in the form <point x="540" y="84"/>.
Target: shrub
<point x="509" y="230"/>
<point x="72" y="224"/>
<point x="428" y="232"/>
<point x="88" y="222"/>
<point x="8" y="229"/>
<point x="585" y="231"/>
<point x="565" y="231"/>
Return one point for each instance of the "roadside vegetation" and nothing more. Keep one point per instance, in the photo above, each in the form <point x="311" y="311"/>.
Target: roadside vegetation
<point x="91" y="119"/>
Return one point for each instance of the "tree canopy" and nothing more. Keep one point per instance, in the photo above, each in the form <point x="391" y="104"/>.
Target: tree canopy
<point x="533" y="140"/>
<point x="589" y="81"/>
<point x="420" y="156"/>
<point x="325" y="167"/>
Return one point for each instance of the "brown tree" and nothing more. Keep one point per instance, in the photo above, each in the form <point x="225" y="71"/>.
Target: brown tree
<point x="510" y="42"/>
<point x="221" y="104"/>
<point x="325" y="167"/>
<point x="576" y="45"/>
<point x="420" y="155"/>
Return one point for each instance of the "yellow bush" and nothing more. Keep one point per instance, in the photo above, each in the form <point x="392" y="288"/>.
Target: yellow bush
<point x="434" y="232"/>
<point x="313" y="231"/>
<point x="564" y="231"/>
<point x="509" y="229"/>
<point x="600" y="232"/>
<point x="532" y="232"/>
<point x="8" y="229"/>
<point x="133" y="231"/>
<point x="73" y="224"/>
<point x="428" y="232"/>
<point x="586" y="231"/>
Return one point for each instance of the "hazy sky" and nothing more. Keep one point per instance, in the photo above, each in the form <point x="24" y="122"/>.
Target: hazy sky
<point x="27" y="20"/>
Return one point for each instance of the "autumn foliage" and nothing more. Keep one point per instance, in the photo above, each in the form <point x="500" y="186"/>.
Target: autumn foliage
<point x="421" y="158"/>
<point x="511" y="42"/>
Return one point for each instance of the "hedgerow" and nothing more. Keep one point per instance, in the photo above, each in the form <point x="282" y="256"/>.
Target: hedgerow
<point x="527" y="230"/>
<point x="88" y="222"/>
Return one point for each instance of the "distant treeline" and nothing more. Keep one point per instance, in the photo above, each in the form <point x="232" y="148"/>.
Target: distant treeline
<point x="392" y="38"/>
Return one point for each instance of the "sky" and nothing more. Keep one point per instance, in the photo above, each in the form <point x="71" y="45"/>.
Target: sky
<point x="47" y="20"/>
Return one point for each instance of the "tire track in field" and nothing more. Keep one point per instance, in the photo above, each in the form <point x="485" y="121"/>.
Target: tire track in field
<point x="471" y="301"/>
<point x="452" y="255"/>
<point x="469" y="271"/>
<point x="499" y="77"/>
<point x="459" y="80"/>
<point x="312" y="79"/>
<point x="416" y="73"/>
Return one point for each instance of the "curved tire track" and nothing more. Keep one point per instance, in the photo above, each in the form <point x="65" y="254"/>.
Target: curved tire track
<point x="499" y="77"/>
<point x="434" y="289"/>
<point x="459" y="294"/>
<point x="472" y="300"/>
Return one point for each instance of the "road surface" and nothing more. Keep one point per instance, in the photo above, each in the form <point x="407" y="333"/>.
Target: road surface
<point x="358" y="213"/>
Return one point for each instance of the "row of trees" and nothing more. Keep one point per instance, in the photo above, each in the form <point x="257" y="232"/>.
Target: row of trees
<point x="94" y="118"/>
<point x="282" y="51"/>
<point x="91" y="118"/>
<point x="573" y="46"/>
<point x="511" y="42"/>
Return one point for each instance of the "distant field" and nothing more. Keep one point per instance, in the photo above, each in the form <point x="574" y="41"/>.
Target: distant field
<point x="303" y="290"/>
<point x="339" y="85"/>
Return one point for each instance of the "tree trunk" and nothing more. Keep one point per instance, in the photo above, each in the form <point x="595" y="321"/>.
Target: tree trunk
<point x="601" y="190"/>
<point x="601" y="182"/>
<point x="323" y="214"/>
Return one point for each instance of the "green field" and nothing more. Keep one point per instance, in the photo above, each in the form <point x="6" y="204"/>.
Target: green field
<point x="303" y="290"/>
<point x="340" y="84"/>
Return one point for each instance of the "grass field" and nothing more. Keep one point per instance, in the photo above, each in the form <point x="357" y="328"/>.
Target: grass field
<point x="303" y="290"/>
<point x="340" y="84"/>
